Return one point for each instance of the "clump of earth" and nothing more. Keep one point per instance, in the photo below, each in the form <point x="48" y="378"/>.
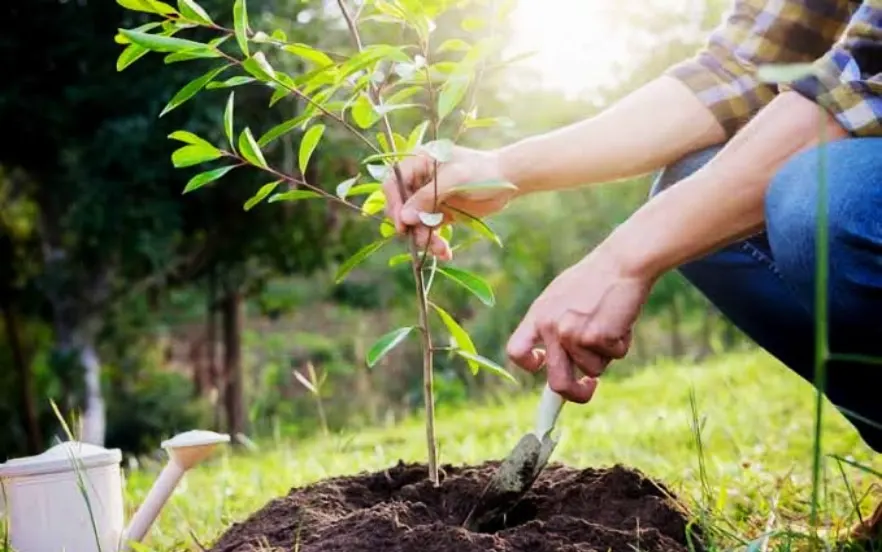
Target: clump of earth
<point x="614" y="509"/>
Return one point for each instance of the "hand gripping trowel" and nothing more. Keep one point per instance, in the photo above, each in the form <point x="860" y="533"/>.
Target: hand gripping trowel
<point x="519" y="470"/>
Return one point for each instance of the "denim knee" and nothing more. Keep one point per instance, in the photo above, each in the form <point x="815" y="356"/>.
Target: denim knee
<point x="853" y="178"/>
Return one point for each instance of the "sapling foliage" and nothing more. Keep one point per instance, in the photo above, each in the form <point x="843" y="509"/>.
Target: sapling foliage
<point x="359" y="92"/>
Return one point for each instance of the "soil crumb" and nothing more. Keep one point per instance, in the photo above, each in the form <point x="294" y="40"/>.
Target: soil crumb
<point x="398" y="510"/>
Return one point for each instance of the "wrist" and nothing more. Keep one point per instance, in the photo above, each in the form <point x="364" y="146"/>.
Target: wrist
<point x="513" y="164"/>
<point x="627" y="261"/>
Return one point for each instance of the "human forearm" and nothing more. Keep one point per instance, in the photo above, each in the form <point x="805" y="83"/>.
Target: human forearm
<point x="650" y="128"/>
<point x="723" y="201"/>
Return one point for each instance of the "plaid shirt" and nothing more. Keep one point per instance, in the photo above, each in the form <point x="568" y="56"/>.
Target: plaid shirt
<point x="843" y="39"/>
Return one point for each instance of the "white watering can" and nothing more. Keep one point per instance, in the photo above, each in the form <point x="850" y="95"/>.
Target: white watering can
<point x="47" y="511"/>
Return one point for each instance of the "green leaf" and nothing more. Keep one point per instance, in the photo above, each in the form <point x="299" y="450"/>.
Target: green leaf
<point x="204" y="178"/>
<point x="451" y="94"/>
<point x="230" y="82"/>
<point x="130" y="55"/>
<point x="191" y="89"/>
<point x="472" y="24"/>
<point x="279" y="35"/>
<point x="463" y="341"/>
<point x="120" y="38"/>
<point x="193" y="11"/>
<point x="472" y="282"/>
<point x="240" y="25"/>
<point x="784" y="72"/>
<point x="363" y="112"/>
<point x="440" y="150"/>
<point x="310" y="140"/>
<point x="385" y="344"/>
<point x="403" y="94"/>
<point x="378" y="172"/>
<point x="358" y="258"/>
<point x="294" y="195"/>
<point x="189" y="138"/>
<point x="258" y="66"/>
<point x="431" y="219"/>
<point x="364" y="189"/>
<point x="281" y="129"/>
<point x="228" y="121"/>
<point x="187" y="55"/>
<point x="194" y="154"/>
<point x="147" y="6"/>
<point x="483" y="229"/>
<point x="484" y="185"/>
<point x="398" y="259"/>
<point x="486" y="363"/>
<point x="416" y="136"/>
<point x="453" y="45"/>
<point x="249" y="149"/>
<point x="159" y="43"/>
<point x="307" y="52"/>
<point x="261" y="194"/>
<point x="374" y="203"/>
<point x="344" y="187"/>
<point x="397" y="156"/>
<point x="387" y="228"/>
<point x="487" y="122"/>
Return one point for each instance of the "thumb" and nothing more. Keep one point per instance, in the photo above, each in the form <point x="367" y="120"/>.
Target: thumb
<point x="425" y="199"/>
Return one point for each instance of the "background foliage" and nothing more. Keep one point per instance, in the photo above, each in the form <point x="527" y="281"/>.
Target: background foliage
<point x="196" y="312"/>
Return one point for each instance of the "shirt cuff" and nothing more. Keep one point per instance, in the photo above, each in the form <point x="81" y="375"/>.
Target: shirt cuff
<point x="732" y="93"/>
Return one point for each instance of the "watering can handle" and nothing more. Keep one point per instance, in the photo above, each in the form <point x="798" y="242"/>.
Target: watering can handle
<point x="546" y="415"/>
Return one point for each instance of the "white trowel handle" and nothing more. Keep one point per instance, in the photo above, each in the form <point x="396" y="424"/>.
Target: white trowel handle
<point x="549" y="408"/>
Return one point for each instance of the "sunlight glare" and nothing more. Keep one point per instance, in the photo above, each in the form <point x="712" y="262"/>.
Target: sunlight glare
<point x="574" y="42"/>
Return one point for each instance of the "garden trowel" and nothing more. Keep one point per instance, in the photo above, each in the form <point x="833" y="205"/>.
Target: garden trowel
<point x="519" y="469"/>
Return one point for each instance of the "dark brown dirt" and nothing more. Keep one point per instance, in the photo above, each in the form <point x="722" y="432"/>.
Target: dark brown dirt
<point x="398" y="510"/>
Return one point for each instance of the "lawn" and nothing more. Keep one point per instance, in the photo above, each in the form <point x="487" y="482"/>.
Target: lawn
<point x="756" y="435"/>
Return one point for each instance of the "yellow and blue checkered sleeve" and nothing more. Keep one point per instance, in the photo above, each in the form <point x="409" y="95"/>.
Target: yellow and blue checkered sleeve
<point x="847" y="80"/>
<point x="755" y="32"/>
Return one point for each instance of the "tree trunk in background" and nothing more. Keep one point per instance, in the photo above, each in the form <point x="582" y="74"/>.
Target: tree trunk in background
<point x="637" y="344"/>
<point x="31" y="421"/>
<point x="211" y="348"/>
<point x="232" y="330"/>
<point x="94" y="418"/>
<point x="676" y="337"/>
<point x="363" y="384"/>
<point x="705" y="349"/>
<point x="729" y="335"/>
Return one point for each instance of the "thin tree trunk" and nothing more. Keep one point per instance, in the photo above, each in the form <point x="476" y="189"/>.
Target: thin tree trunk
<point x="676" y="337"/>
<point x="31" y="420"/>
<point x="231" y="313"/>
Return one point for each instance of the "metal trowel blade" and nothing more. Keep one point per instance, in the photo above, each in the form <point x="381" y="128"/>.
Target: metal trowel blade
<point x="513" y="478"/>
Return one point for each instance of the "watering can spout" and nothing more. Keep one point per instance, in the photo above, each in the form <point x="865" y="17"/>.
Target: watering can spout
<point x="185" y="450"/>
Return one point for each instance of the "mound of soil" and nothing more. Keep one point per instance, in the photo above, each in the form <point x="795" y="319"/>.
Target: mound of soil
<point x="567" y="510"/>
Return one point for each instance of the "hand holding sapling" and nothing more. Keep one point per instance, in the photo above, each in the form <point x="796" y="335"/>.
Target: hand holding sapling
<point x="469" y="183"/>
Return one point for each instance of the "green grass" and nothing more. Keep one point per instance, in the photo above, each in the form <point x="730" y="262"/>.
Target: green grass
<point x="755" y="474"/>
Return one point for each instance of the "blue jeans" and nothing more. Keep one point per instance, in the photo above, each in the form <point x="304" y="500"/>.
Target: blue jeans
<point x="765" y="285"/>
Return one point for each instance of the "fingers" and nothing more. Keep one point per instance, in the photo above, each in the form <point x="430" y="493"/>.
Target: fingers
<point x="438" y="246"/>
<point x="414" y="171"/>
<point x="580" y="332"/>
<point x="559" y="368"/>
<point x="428" y="198"/>
<point x="520" y="346"/>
